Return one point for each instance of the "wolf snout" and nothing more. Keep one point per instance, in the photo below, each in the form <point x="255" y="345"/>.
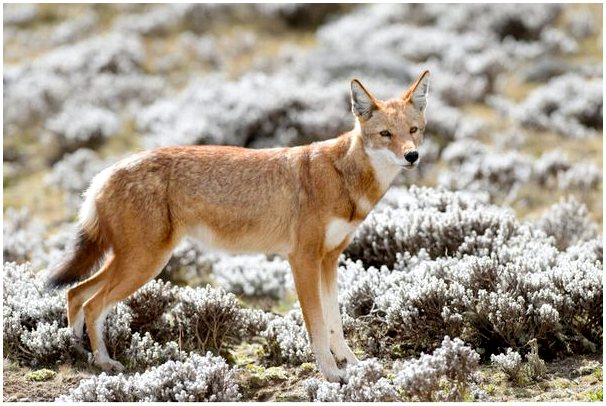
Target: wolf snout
<point x="412" y="156"/>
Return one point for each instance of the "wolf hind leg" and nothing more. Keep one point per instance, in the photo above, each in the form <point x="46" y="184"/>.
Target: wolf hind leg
<point x="126" y="273"/>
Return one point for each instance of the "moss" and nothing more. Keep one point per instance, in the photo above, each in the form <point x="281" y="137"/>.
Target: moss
<point x="40" y="375"/>
<point x="308" y="367"/>
<point x="596" y="395"/>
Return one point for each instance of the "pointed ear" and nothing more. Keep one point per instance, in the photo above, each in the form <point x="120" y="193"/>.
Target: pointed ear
<point x="363" y="103"/>
<point x="417" y="93"/>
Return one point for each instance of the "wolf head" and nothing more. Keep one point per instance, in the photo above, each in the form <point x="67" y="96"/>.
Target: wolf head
<point x="392" y="130"/>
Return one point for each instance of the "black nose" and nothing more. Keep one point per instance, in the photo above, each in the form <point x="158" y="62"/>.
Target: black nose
<point x="412" y="156"/>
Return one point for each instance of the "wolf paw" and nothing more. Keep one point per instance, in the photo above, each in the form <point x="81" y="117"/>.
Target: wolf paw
<point x="109" y="365"/>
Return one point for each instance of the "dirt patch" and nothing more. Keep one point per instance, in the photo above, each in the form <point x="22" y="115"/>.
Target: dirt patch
<point x="17" y="388"/>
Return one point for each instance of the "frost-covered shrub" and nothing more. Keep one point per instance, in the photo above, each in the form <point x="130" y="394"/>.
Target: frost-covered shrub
<point x="476" y="167"/>
<point x="286" y="339"/>
<point x="103" y="73"/>
<point x="496" y="287"/>
<point x="581" y="23"/>
<point x="118" y="331"/>
<point x="570" y="105"/>
<point x="549" y="166"/>
<point x="47" y="344"/>
<point x="591" y="251"/>
<point x="77" y="126"/>
<point x="510" y="363"/>
<point x="208" y="319"/>
<point x="196" y="379"/>
<point x="254" y="276"/>
<point x="453" y="361"/>
<point x="74" y="172"/>
<point x="23" y="236"/>
<point x="440" y="230"/>
<point x="568" y="222"/>
<point x="365" y="382"/>
<point x="189" y="259"/>
<point x="74" y="30"/>
<point x="19" y="14"/>
<point x="145" y="352"/>
<point x="34" y="318"/>
<point x="256" y="110"/>
<point x="149" y="303"/>
<point x="584" y="177"/>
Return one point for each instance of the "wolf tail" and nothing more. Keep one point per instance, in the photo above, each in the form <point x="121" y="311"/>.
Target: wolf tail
<point x="89" y="246"/>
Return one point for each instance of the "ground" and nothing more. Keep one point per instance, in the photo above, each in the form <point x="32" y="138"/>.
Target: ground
<point x="576" y="378"/>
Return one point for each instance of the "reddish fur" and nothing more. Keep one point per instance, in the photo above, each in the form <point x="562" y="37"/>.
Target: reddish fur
<point x="279" y="199"/>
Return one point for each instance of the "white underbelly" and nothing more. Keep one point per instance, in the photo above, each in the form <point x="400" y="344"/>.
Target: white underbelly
<point x="260" y="243"/>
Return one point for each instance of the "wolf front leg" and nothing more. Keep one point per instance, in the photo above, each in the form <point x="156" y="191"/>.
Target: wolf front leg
<point x="307" y="275"/>
<point x="332" y="315"/>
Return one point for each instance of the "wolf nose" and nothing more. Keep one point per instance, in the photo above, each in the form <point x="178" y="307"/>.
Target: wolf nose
<point x="412" y="156"/>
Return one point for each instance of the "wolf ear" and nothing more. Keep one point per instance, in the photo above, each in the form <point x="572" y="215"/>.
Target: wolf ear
<point x="417" y="93"/>
<point x="363" y="103"/>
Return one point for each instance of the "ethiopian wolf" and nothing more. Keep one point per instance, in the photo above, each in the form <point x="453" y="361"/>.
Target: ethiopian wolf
<point x="303" y="203"/>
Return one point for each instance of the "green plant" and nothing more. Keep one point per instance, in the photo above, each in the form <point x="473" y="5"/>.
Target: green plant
<point x="40" y="375"/>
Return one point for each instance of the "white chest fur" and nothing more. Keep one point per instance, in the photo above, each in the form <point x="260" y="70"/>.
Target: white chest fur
<point x="337" y="231"/>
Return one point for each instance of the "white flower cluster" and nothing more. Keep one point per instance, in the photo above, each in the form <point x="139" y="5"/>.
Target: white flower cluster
<point x="254" y="276"/>
<point x="196" y="379"/>
<point x="510" y="363"/>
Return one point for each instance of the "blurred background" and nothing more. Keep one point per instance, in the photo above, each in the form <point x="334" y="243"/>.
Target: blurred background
<point x="515" y="111"/>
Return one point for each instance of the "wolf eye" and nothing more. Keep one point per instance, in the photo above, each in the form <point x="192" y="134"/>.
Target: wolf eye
<point x="413" y="130"/>
<point x="385" y="133"/>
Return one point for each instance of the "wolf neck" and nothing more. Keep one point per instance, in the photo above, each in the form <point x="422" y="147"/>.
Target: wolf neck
<point x="366" y="171"/>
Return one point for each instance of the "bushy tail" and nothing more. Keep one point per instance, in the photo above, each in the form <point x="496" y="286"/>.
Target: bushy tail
<point x="81" y="260"/>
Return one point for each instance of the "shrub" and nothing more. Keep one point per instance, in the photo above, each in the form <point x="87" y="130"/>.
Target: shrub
<point x="422" y="378"/>
<point x="510" y="363"/>
<point x="570" y="105"/>
<point x="253" y="111"/>
<point x="476" y="167"/>
<point x="535" y="367"/>
<point x="77" y="126"/>
<point x="440" y="229"/>
<point x="568" y="222"/>
<point x="207" y="319"/>
<point x="364" y="383"/>
<point x="145" y="352"/>
<point x="74" y="172"/>
<point x="198" y="378"/>
<point x="254" y="276"/>
<point x="286" y="339"/>
<point x="22" y="235"/>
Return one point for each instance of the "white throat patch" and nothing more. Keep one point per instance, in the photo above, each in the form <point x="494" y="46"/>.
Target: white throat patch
<point x="384" y="164"/>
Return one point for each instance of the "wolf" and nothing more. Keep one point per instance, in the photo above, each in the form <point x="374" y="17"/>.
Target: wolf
<point x="303" y="203"/>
